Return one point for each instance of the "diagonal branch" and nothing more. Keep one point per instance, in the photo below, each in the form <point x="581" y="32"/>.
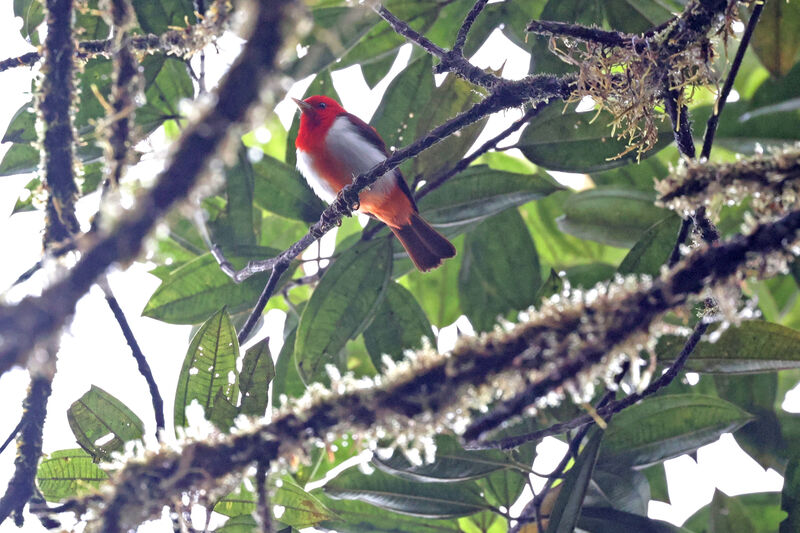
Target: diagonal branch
<point x="469" y="20"/>
<point x="37" y="318"/>
<point x="556" y="345"/>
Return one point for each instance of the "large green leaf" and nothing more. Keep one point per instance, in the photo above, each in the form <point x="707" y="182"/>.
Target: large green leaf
<point x="452" y="97"/>
<point x="579" y="142"/>
<point x="621" y="488"/>
<point x="480" y="192"/>
<point x="68" y="474"/>
<point x="753" y="513"/>
<point x="287" y="380"/>
<point x="341" y="306"/>
<point x="158" y="17"/>
<point x="617" y="217"/>
<point x="281" y="189"/>
<point x="102" y="424"/>
<point x="429" y="500"/>
<point x="19" y="159"/>
<point x="197" y="289"/>
<point x="236" y="225"/>
<point x="653" y="249"/>
<point x="32" y="14"/>
<point x="399" y="112"/>
<point x="437" y="291"/>
<point x="290" y="503"/>
<point x="360" y="517"/>
<point x="605" y="520"/>
<point x="209" y="365"/>
<point x="336" y="30"/>
<point x="257" y="371"/>
<point x="663" y="427"/>
<point x="499" y="270"/>
<point x="452" y="463"/>
<point x="167" y="82"/>
<point x="746" y="133"/>
<point x="567" y="507"/>
<point x="556" y="248"/>
<point x="776" y="39"/>
<point x="637" y="16"/>
<point x="790" y="497"/>
<point x="751" y="347"/>
<point x="399" y="325"/>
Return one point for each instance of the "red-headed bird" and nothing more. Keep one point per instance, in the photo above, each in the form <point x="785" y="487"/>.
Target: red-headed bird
<point x="334" y="147"/>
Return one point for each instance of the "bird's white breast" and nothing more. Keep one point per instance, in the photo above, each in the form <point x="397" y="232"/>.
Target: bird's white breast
<point x="347" y="143"/>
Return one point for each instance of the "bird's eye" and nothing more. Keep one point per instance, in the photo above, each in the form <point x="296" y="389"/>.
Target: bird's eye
<point x="322" y="105"/>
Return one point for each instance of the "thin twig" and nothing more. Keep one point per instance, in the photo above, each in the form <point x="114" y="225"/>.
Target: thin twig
<point x="11" y="436"/>
<point x="581" y="33"/>
<point x="136" y="351"/>
<point x="461" y="38"/>
<point x="675" y="255"/>
<point x="713" y="120"/>
<point x="611" y="408"/>
<point x="262" y="498"/>
<point x="679" y="115"/>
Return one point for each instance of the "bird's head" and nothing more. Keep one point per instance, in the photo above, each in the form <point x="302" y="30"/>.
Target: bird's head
<point x="318" y="113"/>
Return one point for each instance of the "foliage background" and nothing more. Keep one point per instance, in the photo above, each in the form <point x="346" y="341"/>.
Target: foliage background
<point x="570" y="250"/>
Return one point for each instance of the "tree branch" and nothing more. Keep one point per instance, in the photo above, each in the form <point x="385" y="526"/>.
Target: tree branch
<point x="463" y="31"/>
<point x="57" y="94"/>
<point x="562" y="341"/>
<point x="136" y="351"/>
<point x="713" y="120"/>
<point x="23" y="484"/>
<point x="36" y="318"/>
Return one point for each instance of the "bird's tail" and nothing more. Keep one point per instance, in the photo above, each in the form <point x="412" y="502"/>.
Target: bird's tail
<point x="425" y="246"/>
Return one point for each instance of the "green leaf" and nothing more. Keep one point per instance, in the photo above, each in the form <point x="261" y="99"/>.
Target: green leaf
<point x="663" y="427"/>
<point x="589" y="275"/>
<point x="89" y="22"/>
<point x="637" y="16"/>
<point x="102" y="424"/>
<point x="359" y="517"/>
<point x="301" y="509"/>
<point x="157" y="17"/>
<point x="555" y="247"/>
<point x="437" y="291"/>
<point x="579" y="142"/>
<point x="283" y="191"/>
<point x="753" y="346"/>
<point x="336" y="30"/>
<point x="480" y="192"/>
<point x="568" y="505"/>
<point x="621" y="488"/>
<point x="790" y="497"/>
<point x="22" y="128"/>
<point x="617" y="217"/>
<point x="657" y="480"/>
<point x="749" y="136"/>
<point x="287" y="380"/>
<point x="68" y="474"/>
<point x="452" y="97"/>
<point x="499" y="270"/>
<point x="195" y="290"/>
<point x="237" y="222"/>
<point x="223" y="412"/>
<point x="653" y="248"/>
<point x="210" y="365"/>
<point x="399" y="324"/>
<point x="753" y="513"/>
<point x="257" y="371"/>
<point x="19" y="159"/>
<point x="604" y="520"/>
<point x="776" y="39"/>
<point x="341" y="306"/>
<point x="452" y="463"/>
<point x="400" y="110"/>
<point x="32" y="14"/>
<point x="427" y="500"/>
<point x="167" y="82"/>
<point x="244" y="523"/>
<point x="551" y="285"/>
<point x="637" y="175"/>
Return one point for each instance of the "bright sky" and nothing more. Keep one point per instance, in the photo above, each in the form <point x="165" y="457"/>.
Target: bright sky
<point x="93" y="351"/>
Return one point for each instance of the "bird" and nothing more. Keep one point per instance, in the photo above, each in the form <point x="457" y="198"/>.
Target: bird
<point x="334" y="147"/>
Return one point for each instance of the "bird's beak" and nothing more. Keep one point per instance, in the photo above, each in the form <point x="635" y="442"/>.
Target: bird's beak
<point x="304" y="106"/>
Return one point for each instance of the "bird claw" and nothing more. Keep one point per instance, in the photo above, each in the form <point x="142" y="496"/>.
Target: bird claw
<point x="349" y="200"/>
